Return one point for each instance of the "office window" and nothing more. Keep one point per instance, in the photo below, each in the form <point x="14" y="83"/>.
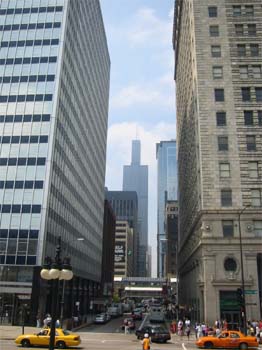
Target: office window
<point x="217" y="72"/>
<point x="248" y="117"/>
<point x="226" y="198"/>
<point x="214" y="30"/>
<point x="216" y="51"/>
<point x="256" y="198"/>
<point x="258" y="91"/>
<point x="246" y="95"/>
<point x="222" y="142"/>
<point x="241" y="50"/>
<point x="236" y="10"/>
<point x="224" y="170"/>
<point x="251" y="142"/>
<point x="253" y="170"/>
<point x="252" y="29"/>
<point x="257" y="73"/>
<point x="228" y="228"/>
<point x="258" y="228"/>
<point x="212" y="11"/>
<point x="259" y="117"/>
<point x="219" y="95"/>
<point x="249" y="10"/>
<point x="239" y="29"/>
<point x="221" y="118"/>
<point x="243" y="71"/>
<point x="254" y="50"/>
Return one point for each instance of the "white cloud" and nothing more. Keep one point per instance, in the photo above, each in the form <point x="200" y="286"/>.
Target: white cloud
<point x="148" y="29"/>
<point x="120" y="137"/>
<point x="144" y="94"/>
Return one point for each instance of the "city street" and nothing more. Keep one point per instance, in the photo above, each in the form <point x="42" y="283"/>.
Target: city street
<point x="107" y="341"/>
<point x="110" y="336"/>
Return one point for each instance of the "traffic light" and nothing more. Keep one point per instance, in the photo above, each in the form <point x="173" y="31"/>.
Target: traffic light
<point x="240" y="297"/>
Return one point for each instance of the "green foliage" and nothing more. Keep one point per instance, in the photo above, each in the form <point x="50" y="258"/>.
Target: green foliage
<point x="116" y="298"/>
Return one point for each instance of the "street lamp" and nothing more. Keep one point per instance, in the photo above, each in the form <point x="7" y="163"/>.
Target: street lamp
<point x="64" y="282"/>
<point x="55" y="270"/>
<point x="243" y="314"/>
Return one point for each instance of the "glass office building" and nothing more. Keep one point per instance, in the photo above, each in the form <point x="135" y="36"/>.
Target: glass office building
<point x="166" y="191"/>
<point x="54" y="88"/>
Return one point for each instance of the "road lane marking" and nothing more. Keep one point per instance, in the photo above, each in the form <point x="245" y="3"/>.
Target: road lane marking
<point x="183" y="346"/>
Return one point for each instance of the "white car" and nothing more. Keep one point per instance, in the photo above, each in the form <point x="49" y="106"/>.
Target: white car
<point x="101" y="318"/>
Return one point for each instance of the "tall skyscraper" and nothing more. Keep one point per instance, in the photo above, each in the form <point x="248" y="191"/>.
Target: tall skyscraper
<point x="125" y="207"/>
<point x="166" y="190"/>
<point x="54" y="79"/>
<point x="135" y="178"/>
<point x="219" y="130"/>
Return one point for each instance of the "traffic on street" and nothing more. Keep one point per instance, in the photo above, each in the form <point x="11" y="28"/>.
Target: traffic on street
<point x="113" y="334"/>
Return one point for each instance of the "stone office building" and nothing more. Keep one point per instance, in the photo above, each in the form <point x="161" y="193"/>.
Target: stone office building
<point x="54" y="82"/>
<point x="218" y="74"/>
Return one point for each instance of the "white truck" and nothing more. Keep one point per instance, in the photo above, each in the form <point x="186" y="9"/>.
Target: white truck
<point x="115" y="310"/>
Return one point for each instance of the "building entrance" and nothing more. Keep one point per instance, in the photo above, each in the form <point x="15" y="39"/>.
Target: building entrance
<point x="229" y="309"/>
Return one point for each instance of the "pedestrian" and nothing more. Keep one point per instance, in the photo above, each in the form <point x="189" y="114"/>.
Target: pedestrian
<point x="258" y="334"/>
<point x="196" y="329"/>
<point x="187" y="330"/>
<point x="47" y="321"/>
<point x="146" y="342"/>
<point x="75" y="321"/>
<point x="199" y="331"/>
<point x="218" y="331"/>
<point x="225" y="325"/>
<point x="57" y="324"/>
<point x="38" y="322"/>
<point x="126" y="329"/>
<point x="187" y="322"/>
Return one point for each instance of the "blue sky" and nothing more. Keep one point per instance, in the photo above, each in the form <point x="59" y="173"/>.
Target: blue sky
<point x="142" y="89"/>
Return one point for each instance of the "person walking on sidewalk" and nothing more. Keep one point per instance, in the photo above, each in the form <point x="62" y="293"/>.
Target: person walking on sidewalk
<point x="187" y="331"/>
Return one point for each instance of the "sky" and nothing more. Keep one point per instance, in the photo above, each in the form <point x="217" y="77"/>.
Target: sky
<point x="142" y="90"/>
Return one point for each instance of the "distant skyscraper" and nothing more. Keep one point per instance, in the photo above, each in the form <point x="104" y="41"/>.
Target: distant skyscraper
<point x="125" y="207"/>
<point x="166" y="191"/>
<point x="218" y="73"/>
<point x="135" y="178"/>
<point x="54" y="69"/>
<point x="123" y="250"/>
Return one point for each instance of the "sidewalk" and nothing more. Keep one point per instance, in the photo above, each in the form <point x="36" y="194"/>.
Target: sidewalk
<point x="8" y="332"/>
<point x="12" y="332"/>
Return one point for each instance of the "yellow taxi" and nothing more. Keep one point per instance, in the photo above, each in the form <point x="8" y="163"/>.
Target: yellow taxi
<point x="63" y="338"/>
<point x="228" y="339"/>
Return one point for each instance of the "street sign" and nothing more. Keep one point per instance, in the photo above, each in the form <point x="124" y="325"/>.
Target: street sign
<point x="250" y="291"/>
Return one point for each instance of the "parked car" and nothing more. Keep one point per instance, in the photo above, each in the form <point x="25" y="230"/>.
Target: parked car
<point x="228" y="339"/>
<point x="101" y="318"/>
<point x="157" y="333"/>
<point x="63" y="338"/>
<point x="129" y="322"/>
<point x="137" y="314"/>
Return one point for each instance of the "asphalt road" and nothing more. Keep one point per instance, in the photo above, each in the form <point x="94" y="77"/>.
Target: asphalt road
<point x="110" y="336"/>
